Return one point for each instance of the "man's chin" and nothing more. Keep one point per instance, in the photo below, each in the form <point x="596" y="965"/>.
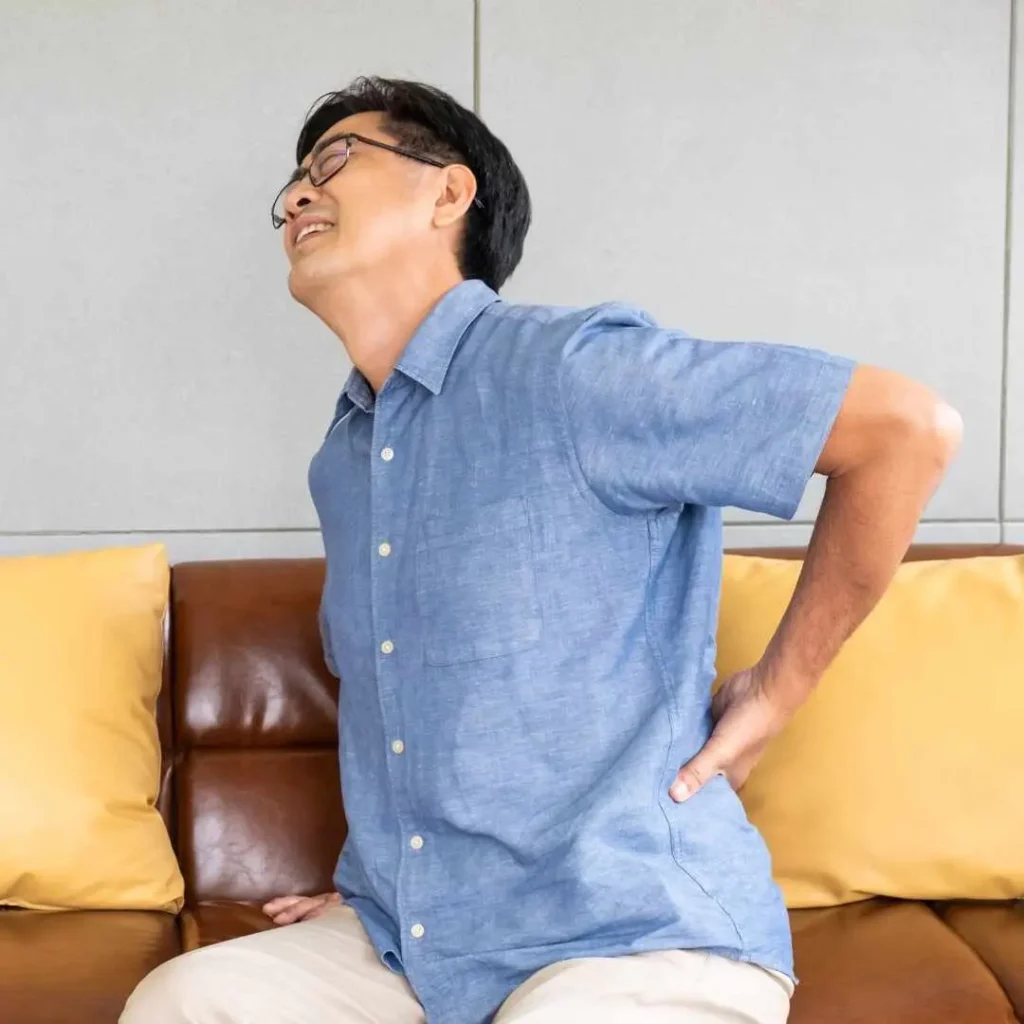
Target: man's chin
<point x="311" y="272"/>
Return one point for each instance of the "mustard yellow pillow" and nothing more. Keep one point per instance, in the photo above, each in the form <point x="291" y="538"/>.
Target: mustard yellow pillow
<point x="81" y="647"/>
<point x="903" y="774"/>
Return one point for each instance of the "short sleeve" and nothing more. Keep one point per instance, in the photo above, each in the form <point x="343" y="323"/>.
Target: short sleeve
<point x="659" y="419"/>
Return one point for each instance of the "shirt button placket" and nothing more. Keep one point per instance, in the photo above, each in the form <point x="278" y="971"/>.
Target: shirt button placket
<point x="387" y="647"/>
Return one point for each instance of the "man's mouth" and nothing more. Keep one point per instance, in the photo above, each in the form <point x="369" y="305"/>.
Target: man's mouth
<point x="312" y="229"/>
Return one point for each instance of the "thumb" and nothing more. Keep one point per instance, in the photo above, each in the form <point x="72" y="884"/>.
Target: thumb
<point x="696" y="772"/>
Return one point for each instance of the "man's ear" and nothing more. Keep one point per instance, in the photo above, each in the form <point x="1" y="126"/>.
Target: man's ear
<point x="458" y="189"/>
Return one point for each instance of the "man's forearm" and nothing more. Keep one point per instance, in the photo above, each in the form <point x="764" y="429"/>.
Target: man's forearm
<point x="866" y="523"/>
<point x="889" y="447"/>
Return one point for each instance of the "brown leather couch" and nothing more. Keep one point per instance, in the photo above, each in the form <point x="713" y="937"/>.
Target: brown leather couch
<point x="251" y="795"/>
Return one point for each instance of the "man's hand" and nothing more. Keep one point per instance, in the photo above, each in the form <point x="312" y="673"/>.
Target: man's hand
<point x="289" y="909"/>
<point x="746" y="719"/>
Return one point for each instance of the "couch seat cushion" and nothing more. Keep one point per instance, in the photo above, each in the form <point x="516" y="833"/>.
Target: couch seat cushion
<point x="78" y="966"/>
<point x="220" y="920"/>
<point x="996" y="932"/>
<point x="892" y="962"/>
<point x="868" y="962"/>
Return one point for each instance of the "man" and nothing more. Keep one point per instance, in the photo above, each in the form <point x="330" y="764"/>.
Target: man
<point x="521" y="514"/>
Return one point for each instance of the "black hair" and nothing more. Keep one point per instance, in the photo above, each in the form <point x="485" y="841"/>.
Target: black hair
<point x="429" y="121"/>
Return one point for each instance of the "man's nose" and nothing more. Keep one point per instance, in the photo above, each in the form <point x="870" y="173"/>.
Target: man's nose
<point x="301" y="194"/>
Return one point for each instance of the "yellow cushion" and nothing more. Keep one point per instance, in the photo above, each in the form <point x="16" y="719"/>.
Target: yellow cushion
<point x="81" y="647"/>
<point x="903" y="774"/>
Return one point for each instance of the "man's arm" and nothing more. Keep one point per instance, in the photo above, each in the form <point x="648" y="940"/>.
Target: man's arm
<point x="889" y="448"/>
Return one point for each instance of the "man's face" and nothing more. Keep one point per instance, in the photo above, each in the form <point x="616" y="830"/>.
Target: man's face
<point x="377" y="211"/>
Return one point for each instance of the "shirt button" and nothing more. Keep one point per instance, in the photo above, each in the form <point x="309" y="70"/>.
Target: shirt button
<point x="417" y="930"/>
<point x="397" y="746"/>
<point x="387" y="647"/>
<point x="384" y="549"/>
<point x="387" y="454"/>
<point x="416" y="842"/>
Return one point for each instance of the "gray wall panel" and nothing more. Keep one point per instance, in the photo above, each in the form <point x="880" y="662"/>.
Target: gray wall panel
<point x="826" y="174"/>
<point x="819" y="173"/>
<point x="155" y="373"/>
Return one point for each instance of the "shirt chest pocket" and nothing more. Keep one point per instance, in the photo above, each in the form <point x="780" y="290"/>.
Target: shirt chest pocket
<point x="475" y="585"/>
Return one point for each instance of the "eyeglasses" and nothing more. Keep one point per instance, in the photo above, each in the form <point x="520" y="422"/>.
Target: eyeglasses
<point x="330" y="156"/>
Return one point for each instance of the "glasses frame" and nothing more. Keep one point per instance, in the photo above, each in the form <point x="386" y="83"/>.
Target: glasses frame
<point x="349" y="138"/>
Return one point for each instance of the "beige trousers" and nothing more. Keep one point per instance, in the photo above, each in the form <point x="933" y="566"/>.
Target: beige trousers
<point x="325" y="971"/>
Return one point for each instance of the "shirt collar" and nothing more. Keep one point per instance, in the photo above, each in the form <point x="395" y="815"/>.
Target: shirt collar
<point x="358" y="391"/>
<point x="429" y="352"/>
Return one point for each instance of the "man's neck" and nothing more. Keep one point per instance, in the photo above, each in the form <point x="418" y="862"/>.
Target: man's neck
<point x="375" y="318"/>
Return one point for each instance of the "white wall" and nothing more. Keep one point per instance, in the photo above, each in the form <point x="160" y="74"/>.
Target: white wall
<point x="819" y="173"/>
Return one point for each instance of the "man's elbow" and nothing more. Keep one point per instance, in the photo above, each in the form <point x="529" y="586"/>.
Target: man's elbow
<point x="887" y="417"/>
<point x="922" y="438"/>
<point x="928" y="428"/>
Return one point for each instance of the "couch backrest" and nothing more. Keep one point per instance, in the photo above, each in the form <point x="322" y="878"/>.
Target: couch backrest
<point x="249" y="725"/>
<point x="254" y="731"/>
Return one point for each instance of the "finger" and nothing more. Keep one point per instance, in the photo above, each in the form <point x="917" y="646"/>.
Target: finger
<point x="297" y="911"/>
<point x="696" y="772"/>
<point x="279" y="903"/>
<point x="327" y="902"/>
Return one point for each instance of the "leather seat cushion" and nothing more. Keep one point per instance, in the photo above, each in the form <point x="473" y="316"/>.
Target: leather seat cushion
<point x="78" y="966"/>
<point x="863" y="963"/>
<point x="889" y="961"/>
<point x="220" y="920"/>
<point x="996" y="932"/>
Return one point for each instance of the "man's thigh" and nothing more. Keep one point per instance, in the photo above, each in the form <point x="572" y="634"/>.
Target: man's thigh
<point x="667" y="987"/>
<point x="319" y="970"/>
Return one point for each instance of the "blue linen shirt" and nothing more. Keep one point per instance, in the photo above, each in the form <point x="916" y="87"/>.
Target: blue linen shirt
<point x="524" y="541"/>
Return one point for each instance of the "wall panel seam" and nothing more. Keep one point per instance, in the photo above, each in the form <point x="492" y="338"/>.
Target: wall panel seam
<point x="1004" y="407"/>
<point x="476" y="56"/>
